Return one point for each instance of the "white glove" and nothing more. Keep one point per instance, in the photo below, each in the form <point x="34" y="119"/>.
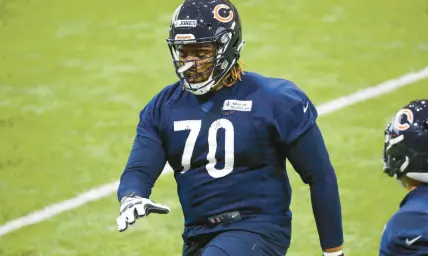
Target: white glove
<point x="134" y="207"/>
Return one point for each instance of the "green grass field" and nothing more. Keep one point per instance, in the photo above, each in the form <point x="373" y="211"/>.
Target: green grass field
<point x="75" y="74"/>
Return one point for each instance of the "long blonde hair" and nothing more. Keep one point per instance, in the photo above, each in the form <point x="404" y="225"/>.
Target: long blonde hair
<point x="235" y="74"/>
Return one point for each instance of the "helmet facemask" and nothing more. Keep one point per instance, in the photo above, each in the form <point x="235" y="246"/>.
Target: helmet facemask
<point x="405" y="154"/>
<point x="195" y="65"/>
<point x="200" y="73"/>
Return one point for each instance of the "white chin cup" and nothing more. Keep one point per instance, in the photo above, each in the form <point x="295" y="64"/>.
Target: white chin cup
<point x="200" y="88"/>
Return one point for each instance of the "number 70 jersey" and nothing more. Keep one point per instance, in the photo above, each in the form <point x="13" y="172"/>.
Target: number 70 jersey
<point x="194" y="129"/>
<point x="228" y="148"/>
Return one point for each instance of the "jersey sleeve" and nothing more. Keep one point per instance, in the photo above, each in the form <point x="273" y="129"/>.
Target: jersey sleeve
<point x="147" y="157"/>
<point x="293" y="113"/>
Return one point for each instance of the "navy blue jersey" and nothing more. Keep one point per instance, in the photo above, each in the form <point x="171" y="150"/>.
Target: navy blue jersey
<point x="228" y="152"/>
<point x="406" y="233"/>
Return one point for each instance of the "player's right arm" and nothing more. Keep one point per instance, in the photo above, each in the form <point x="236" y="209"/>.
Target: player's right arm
<point x="300" y="137"/>
<point x="145" y="164"/>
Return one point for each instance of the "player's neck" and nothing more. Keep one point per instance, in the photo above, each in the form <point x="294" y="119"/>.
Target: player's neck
<point x="410" y="184"/>
<point x="410" y="188"/>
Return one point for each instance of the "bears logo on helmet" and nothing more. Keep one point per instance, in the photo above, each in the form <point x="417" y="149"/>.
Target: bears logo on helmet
<point x="399" y="118"/>
<point x="218" y="16"/>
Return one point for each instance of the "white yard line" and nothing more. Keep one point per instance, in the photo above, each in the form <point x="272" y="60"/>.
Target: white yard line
<point x="110" y="188"/>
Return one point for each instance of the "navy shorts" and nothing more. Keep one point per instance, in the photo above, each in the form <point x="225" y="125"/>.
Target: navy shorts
<point x="233" y="243"/>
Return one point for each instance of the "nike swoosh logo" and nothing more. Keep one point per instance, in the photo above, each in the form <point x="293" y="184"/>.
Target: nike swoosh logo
<point x="306" y="108"/>
<point x="410" y="242"/>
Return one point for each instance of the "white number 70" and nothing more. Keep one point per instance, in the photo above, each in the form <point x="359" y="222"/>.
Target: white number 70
<point x="195" y="127"/>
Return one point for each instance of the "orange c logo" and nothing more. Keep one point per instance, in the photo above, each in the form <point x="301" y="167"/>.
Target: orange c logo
<point x="217" y="15"/>
<point x="398" y="119"/>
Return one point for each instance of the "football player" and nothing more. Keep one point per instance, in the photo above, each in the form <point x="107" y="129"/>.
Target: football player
<point x="405" y="157"/>
<point x="227" y="134"/>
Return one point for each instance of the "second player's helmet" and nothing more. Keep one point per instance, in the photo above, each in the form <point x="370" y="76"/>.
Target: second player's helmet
<point x="406" y="142"/>
<point x="201" y="22"/>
